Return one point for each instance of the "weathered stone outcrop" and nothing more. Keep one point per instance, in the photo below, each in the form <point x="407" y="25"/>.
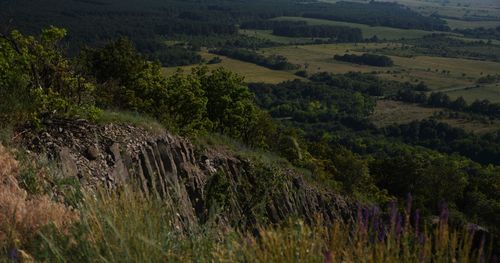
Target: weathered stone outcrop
<point x="171" y="168"/>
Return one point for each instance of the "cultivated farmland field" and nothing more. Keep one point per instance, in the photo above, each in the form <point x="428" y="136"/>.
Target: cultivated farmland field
<point x="251" y="72"/>
<point x="268" y="35"/>
<point x="388" y="112"/>
<point x="381" y="32"/>
<point x="462" y="24"/>
<point x="460" y="73"/>
<point x="450" y="8"/>
<point x="490" y="92"/>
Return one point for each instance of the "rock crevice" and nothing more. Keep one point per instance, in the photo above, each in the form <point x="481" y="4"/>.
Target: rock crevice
<point x="170" y="167"/>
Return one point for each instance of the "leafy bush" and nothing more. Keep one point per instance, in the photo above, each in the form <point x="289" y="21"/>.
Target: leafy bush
<point x="38" y="80"/>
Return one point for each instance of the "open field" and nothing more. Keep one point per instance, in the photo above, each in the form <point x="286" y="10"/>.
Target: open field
<point x="490" y="92"/>
<point x="390" y="112"/>
<point x="251" y="72"/>
<point x="268" y="35"/>
<point x="319" y="58"/>
<point x="450" y="8"/>
<point x="381" y="32"/>
<point x="461" y="24"/>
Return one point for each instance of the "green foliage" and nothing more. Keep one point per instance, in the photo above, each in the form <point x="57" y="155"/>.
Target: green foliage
<point x="218" y="194"/>
<point x="193" y="103"/>
<point x="131" y="118"/>
<point x="38" y="80"/>
<point x="272" y="62"/>
<point x="230" y="105"/>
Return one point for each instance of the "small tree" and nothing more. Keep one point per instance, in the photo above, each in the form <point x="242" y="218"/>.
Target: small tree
<point x="38" y="80"/>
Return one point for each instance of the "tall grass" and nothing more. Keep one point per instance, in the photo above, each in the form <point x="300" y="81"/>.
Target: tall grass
<point x="130" y="227"/>
<point x="22" y="215"/>
<point x="125" y="227"/>
<point x="130" y="118"/>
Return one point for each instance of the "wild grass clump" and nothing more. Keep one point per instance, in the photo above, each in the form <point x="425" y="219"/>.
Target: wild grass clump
<point x="373" y="238"/>
<point x="130" y="227"/>
<point x="23" y="215"/>
<point x="130" y="118"/>
<point x="126" y="227"/>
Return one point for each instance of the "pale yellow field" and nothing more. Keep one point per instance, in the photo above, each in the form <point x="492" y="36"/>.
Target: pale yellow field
<point x="319" y="58"/>
<point x="461" y="24"/>
<point x="388" y="112"/>
<point x="251" y="72"/>
<point x="490" y="92"/>
<point x="267" y="34"/>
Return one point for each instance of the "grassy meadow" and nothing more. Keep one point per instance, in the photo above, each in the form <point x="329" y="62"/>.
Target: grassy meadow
<point x="381" y="32"/>
<point x="268" y="35"/>
<point x="450" y="8"/>
<point x="490" y="92"/>
<point x="318" y="58"/>
<point x="388" y="112"/>
<point x="462" y="24"/>
<point x="251" y="72"/>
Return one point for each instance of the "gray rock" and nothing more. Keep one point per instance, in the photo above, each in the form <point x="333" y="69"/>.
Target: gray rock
<point x="68" y="163"/>
<point x="92" y="152"/>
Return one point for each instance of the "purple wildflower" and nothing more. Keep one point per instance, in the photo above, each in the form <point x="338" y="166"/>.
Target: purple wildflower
<point x="409" y="202"/>
<point x="328" y="257"/>
<point x="417" y="221"/>
<point x="399" y="225"/>
<point x="444" y="213"/>
<point x="394" y="213"/>
<point x="13" y="255"/>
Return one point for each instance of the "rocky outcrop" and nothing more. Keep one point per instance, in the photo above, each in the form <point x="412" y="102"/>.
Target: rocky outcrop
<point x="171" y="168"/>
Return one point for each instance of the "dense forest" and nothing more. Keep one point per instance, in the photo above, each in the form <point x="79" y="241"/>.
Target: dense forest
<point x="377" y="14"/>
<point x="383" y="160"/>
<point x="148" y="22"/>
<point x="335" y="33"/>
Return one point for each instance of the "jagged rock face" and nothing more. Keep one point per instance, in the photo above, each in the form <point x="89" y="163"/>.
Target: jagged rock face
<point x="171" y="168"/>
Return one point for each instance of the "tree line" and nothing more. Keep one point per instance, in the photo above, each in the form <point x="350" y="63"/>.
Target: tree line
<point x="366" y="59"/>
<point x="275" y="62"/>
<point x="440" y="99"/>
<point x="335" y="33"/>
<point x="269" y="24"/>
<point x="376" y="13"/>
<point x="442" y="137"/>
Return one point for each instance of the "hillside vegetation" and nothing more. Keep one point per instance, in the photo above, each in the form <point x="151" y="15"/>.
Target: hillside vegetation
<point x="247" y="131"/>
